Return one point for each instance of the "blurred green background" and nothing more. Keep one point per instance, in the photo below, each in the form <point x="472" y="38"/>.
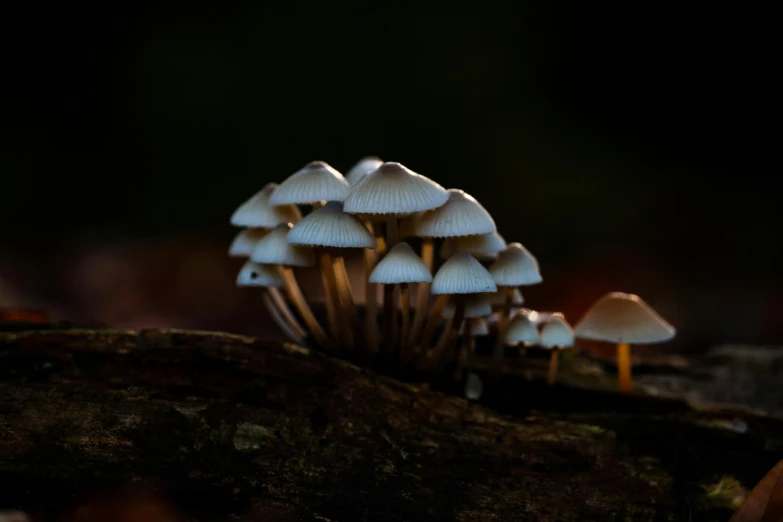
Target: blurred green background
<point x="629" y="147"/>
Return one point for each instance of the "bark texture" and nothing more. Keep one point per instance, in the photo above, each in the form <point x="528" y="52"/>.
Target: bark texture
<point x="230" y="427"/>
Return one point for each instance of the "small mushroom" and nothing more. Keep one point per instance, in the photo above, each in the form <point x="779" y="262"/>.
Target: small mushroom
<point x="331" y="230"/>
<point x="623" y="319"/>
<point x="273" y="249"/>
<point x="390" y="192"/>
<point x="258" y="212"/>
<point x="473" y="387"/>
<point x="459" y="276"/>
<point x="556" y="334"/>
<point x="401" y="266"/>
<point x="266" y="277"/>
<point x="460" y="216"/>
<point x="514" y="267"/>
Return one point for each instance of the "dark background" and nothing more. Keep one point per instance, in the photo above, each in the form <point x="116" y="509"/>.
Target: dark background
<point x="629" y="147"/>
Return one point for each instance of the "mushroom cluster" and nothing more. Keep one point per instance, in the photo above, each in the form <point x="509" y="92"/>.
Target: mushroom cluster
<point x="433" y="307"/>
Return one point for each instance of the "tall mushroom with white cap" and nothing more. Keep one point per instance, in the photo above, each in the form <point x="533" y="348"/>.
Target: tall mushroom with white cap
<point x="267" y="277"/>
<point x="401" y="266"/>
<point x="462" y="215"/>
<point x="273" y="249"/>
<point x="331" y="230"/>
<point x="364" y="167"/>
<point x="459" y="276"/>
<point x="623" y="319"/>
<point x="259" y="212"/>
<point x="386" y="194"/>
<point x="514" y="267"/>
<point x="314" y="184"/>
<point x="556" y="334"/>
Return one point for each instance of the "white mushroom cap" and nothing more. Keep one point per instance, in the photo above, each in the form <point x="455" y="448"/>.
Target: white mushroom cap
<point x="462" y="274"/>
<point x="515" y="266"/>
<point x="258" y="211"/>
<point x="393" y="189"/>
<point x="462" y="215"/>
<point x="255" y="274"/>
<point x="243" y="243"/>
<point x="478" y="327"/>
<point x="274" y="249"/>
<point x="556" y="332"/>
<point x="400" y="265"/>
<point x="476" y="305"/>
<point x="499" y="298"/>
<point x="482" y="246"/>
<point x="623" y="318"/>
<point x="473" y="387"/>
<point x="317" y="181"/>
<point x="522" y="330"/>
<point x="329" y="226"/>
<point x="362" y="169"/>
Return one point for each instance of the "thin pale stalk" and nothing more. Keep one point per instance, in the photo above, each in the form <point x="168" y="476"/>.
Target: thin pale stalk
<point x="285" y="311"/>
<point x="419" y="314"/>
<point x="336" y="325"/>
<point x="406" y="347"/>
<point x="296" y="297"/>
<point x="432" y="323"/>
<point x="553" y="362"/>
<point x="503" y="321"/>
<point x="445" y="348"/>
<point x="348" y="304"/>
<point x="624" y="368"/>
<point x="280" y="321"/>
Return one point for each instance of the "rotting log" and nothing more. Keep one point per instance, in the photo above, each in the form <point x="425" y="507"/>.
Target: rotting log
<point x="231" y="426"/>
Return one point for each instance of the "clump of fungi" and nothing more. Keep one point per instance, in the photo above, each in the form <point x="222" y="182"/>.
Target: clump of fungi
<point x="434" y="308"/>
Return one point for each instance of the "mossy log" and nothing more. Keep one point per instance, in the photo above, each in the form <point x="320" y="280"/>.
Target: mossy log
<point x="231" y="427"/>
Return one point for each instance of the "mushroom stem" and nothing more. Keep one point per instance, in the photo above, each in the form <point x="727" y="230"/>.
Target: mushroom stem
<point x="330" y="293"/>
<point x="497" y="355"/>
<point x="296" y="297"/>
<point x="465" y="356"/>
<point x="285" y="311"/>
<point x="348" y="304"/>
<point x="427" y="255"/>
<point x="432" y="323"/>
<point x="370" y="296"/>
<point x="389" y="308"/>
<point x="553" y="362"/>
<point x="280" y="321"/>
<point x="446" y="344"/>
<point x="624" y="367"/>
<point x="406" y="347"/>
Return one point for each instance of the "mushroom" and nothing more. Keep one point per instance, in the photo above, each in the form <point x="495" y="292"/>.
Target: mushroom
<point x="388" y="193"/>
<point x="484" y="247"/>
<point x="459" y="276"/>
<point x="473" y="387"/>
<point x="312" y="185"/>
<point x="243" y="243"/>
<point x="258" y="212"/>
<point x="462" y="215"/>
<point x="556" y="334"/>
<point x="329" y="229"/>
<point x="362" y="169"/>
<point x="521" y="329"/>
<point x="514" y="267"/>
<point x="265" y="276"/>
<point x="273" y="249"/>
<point x="401" y="266"/>
<point x="623" y="319"/>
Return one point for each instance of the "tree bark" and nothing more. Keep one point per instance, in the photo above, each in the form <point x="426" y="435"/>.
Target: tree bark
<point x="226" y="425"/>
